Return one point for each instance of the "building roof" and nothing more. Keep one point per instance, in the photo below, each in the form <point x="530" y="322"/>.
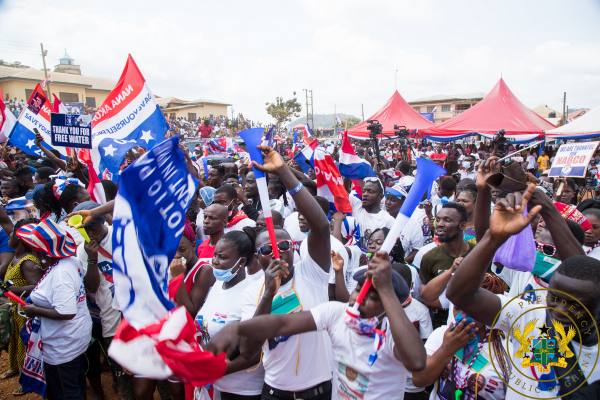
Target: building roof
<point x="175" y="103"/>
<point x="37" y="75"/>
<point x="443" y="97"/>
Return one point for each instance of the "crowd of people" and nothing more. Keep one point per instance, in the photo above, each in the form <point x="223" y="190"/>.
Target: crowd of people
<point x="210" y="126"/>
<point x="439" y="321"/>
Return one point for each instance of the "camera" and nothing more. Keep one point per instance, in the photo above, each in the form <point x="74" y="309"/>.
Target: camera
<point x="374" y="127"/>
<point x="500" y="144"/>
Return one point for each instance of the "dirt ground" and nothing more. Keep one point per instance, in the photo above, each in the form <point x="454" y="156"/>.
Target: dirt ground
<point x="8" y="386"/>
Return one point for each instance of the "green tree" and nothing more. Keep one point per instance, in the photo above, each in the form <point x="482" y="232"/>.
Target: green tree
<point x="350" y="122"/>
<point x="284" y="110"/>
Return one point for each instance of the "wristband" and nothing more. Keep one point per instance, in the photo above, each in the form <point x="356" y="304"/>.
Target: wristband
<point x="295" y="189"/>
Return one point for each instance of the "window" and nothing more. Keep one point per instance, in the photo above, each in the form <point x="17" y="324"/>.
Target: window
<point x="191" y="116"/>
<point x="430" y="108"/>
<point x="445" y="107"/>
<point x="28" y="93"/>
<point x="90" y="102"/>
<point x="462" y="107"/>
<point x="66" y="97"/>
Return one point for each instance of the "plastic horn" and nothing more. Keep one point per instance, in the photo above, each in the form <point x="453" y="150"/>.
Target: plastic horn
<point x="252" y="137"/>
<point x="427" y="173"/>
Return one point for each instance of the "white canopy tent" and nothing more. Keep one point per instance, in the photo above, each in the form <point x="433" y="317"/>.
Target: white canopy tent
<point x="585" y="127"/>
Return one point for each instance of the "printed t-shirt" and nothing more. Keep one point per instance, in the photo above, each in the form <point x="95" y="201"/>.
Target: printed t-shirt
<point x="300" y="361"/>
<point x="223" y="306"/>
<point x="367" y="221"/>
<point x="490" y="386"/>
<point x="62" y="289"/>
<point x="104" y="298"/>
<point x="356" y="379"/>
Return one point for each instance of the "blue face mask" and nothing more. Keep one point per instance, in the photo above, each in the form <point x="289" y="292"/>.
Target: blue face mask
<point x="225" y="275"/>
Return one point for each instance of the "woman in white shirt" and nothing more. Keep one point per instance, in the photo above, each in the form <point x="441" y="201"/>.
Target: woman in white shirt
<point x="372" y="352"/>
<point x="223" y="305"/>
<point x="59" y="306"/>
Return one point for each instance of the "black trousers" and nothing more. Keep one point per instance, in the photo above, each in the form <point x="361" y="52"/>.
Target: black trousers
<point x="233" y="396"/>
<point x="66" y="381"/>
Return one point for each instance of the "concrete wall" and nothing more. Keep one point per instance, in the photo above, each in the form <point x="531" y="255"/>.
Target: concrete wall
<point x="17" y="88"/>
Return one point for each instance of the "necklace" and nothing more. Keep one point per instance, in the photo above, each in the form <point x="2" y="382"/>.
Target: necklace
<point x="461" y="383"/>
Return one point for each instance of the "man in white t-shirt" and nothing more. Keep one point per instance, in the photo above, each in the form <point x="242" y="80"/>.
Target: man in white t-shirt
<point x="237" y="220"/>
<point x="295" y="366"/>
<point x="372" y="352"/>
<point x="565" y="329"/>
<point x="367" y="212"/>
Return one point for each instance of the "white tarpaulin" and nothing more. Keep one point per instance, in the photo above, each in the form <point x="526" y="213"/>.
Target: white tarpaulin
<point x="585" y="127"/>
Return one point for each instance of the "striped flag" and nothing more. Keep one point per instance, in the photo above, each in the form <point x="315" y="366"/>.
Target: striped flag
<point x="154" y="340"/>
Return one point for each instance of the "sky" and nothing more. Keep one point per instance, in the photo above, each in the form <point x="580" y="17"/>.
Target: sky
<point x="351" y="53"/>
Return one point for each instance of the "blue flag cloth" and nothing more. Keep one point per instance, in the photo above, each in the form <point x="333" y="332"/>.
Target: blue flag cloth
<point x="252" y="138"/>
<point x="148" y="222"/>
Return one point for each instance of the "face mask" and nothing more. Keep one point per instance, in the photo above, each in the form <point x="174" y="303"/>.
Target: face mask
<point x="466" y="164"/>
<point x="544" y="266"/>
<point x="225" y="275"/>
<point x="362" y="326"/>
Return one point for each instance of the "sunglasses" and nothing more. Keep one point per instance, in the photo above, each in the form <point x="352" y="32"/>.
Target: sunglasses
<point x="547" y="249"/>
<point x="267" y="249"/>
<point x="374" y="179"/>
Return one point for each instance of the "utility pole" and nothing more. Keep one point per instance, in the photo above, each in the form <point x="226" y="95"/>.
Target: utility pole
<point x="44" y="54"/>
<point x="564" y="118"/>
<point x="308" y="94"/>
<point x="334" y="120"/>
<point x="362" y="108"/>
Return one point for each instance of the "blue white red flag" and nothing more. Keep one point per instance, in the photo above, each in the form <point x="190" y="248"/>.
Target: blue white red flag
<point x="154" y="340"/>
<point x="330" y="183"/>
<point x="128" y="117"/>
<point x="303" y="130"/>
<point x="305" y="158"/>
<point x="269" y="137"/>
<point x="7" y="121"/>
<point x="36" y="115"/>
<point x="352" y="166"/>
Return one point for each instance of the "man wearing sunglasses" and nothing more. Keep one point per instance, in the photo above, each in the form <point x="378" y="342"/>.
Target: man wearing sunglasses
<point x="295" y="366"/>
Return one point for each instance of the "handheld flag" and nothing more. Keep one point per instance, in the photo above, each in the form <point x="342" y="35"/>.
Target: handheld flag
<point x="36" y="116"/>
<point x="305" y="158"/>
<point x="148" y="222"/>
<point x="252" y="137"/>
<point x="330" y="183"/>
<point x="351" y="165"/>
<point x="58" y="106"/>
<point x="128" y="117"/>
<point x="7" y="121"/>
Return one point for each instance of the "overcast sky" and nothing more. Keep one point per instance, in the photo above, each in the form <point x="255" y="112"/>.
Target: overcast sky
<point x="247" y="52"/>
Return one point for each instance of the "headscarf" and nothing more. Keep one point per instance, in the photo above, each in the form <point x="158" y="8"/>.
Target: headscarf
<point x="207" y="193"/>
<point x="49" y="238"/>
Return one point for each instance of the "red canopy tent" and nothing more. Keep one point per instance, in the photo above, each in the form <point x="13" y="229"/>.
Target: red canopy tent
<point x="395" y="111"/>
<point x="499" y="109"/>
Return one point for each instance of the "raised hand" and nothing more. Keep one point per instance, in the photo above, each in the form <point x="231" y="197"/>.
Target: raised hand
<point x="508" y="217"/>
<point x="275" y="272"/>
<point x="272" y="161"/>
<point x="486" y="169"/>
<point x="337" y="261"/>
<point x="457" y="336"/>
<point x="380" y="270"/>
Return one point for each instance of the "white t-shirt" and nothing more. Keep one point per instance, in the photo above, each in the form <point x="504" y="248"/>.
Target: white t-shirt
<point x="110" y="316"/>
<point x="415" y="233"/>
<point x="356" y="379"/>
<point x="367" y="221"/>
<point x="594" y="253"/>
<point x="292" y="227"/>
<point x="301" y="361"/>
<point x="62" y="289"/>
<point x="221" y="307"/>
<point x="418" y="314"/>
<point x="531" y="161"/>
<point x="490" y="387"/>
<point x="240" y="225"/>
<point x="520" y="285"/>
<point x="339" y="248"/>
<point x="515" y="315"/>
